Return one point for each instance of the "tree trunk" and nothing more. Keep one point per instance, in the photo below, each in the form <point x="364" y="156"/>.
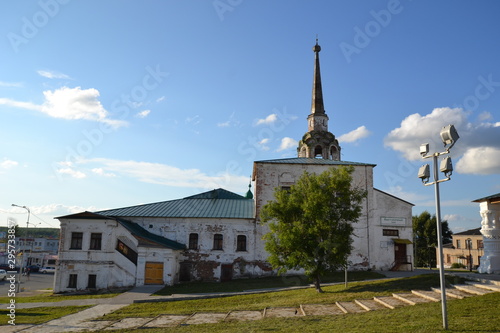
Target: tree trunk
<point x="317" y="284"/>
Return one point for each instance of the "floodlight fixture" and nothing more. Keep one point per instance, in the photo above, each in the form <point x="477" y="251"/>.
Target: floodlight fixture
<point x="424" y="149"/>
<point x="449" y="136"/>
<point x="424" y="173"/>
<point x="446" y="166"/>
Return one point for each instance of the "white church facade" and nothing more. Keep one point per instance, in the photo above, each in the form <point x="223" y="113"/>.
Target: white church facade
<point x="217" y="235"/>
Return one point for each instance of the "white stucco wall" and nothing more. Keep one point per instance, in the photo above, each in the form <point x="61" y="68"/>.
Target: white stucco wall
<point x="269" y="176"/>
<point x="394" y="214"/>
<point x="110" y="267"/>
<point x="371" y="250"/>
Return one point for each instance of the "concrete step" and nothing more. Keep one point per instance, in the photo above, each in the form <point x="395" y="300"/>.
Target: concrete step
<point x="453" y="293"/>
<point x="411" y="298"/>
<point x="472" y="289"/>
<point x="370" y="304"/>
<point x="430" y="295"/>
<point x="350" y="307"/>
<point x="487" y="286"/>
<point x="390" y="302"/>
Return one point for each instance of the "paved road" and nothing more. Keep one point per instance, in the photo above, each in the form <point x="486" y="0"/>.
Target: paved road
<point x="37" y="281"/>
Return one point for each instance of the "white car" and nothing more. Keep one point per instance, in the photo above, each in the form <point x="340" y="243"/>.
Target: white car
<point x="3" y="274"/>
<point x="48" y="269"/>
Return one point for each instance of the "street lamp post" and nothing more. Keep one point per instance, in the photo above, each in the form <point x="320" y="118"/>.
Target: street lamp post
<point x="24" y="252"/>
<point x="469" y="246"/>
<point x="449" y="136"/>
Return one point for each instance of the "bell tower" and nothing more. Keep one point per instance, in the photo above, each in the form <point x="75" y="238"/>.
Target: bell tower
<point x="318" y="142"/>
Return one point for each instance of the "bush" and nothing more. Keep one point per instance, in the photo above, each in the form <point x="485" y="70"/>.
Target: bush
<point x="457" y="265"/>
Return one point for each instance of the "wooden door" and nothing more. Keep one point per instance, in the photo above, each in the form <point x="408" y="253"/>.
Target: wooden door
<point x="226" y="272"/>
<point x="153" y="273"/>
<point x="400" y="253"/>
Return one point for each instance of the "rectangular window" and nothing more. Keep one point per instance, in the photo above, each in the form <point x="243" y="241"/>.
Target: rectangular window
<point x="390" y="232"/>
<point x="218" y="242"/>
<point x="193" y="241"/>
<point x="459" y="245"/>
<point x="480" y="244"/>
<point x="448" y="258"/>
<point x="92" y="281"/>
<point x="241" y="243"/>
<point x="95" y="241"/>
<point x="72" y="280"/>
<point x="76" y="241"/>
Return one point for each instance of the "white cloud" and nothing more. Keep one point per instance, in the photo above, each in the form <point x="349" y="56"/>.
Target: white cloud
<point x="101" y="172"/>
<point x="10" y="84"/>
<point x="268" y="120"/>
<point x="416" y="129"/>
<point x="478" y="145"/>
<point x="8" y="164"/>
<point x="162" y="174"/>
<point x="481" y="160"/>
<point x="160" y="99"/>
<point x="485" y="115"/>
<point x="263" y="144"/>
<point x="52" y="74"/>
<point x="231" y="122"/>
<point x="353" y="136"/>
<point x="193" y="120"/>
<point x="71" y="104"/>
<point x="287" y="143"/>
<point x="71" y="172"/>
<point x="143" y="114"/>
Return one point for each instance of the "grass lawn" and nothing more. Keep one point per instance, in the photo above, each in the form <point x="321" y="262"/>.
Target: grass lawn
<point x="474" y="314"/>
<point x="262" y="283"/>
<point x="290" y="298"/>
<point x="49" y="297"/>
<point x="40" y="315"/>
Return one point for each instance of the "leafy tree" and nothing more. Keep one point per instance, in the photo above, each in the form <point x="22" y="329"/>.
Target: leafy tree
<point x="425" y="231"/>
<point x="311" y="224"/>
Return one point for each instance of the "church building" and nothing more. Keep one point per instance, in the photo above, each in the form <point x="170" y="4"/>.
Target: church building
<point x="217" y="235"/>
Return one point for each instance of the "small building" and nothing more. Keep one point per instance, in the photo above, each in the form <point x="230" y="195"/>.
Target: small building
<point x="465" y="250"/>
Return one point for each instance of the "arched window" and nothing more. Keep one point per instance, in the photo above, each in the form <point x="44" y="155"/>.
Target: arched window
<point x="241" y="243"/>
<point x="318" y="150"/>
<point x="218" y="242"/>
<point x="193" y="241"/>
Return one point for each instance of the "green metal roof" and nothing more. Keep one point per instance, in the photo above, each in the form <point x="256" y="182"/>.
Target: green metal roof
<point x="217" y="203"/>
<point x="320" y="161"/>
<point x="145" y="237"/>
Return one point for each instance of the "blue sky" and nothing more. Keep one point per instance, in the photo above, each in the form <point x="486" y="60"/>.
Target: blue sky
<point x="106" y="104"/>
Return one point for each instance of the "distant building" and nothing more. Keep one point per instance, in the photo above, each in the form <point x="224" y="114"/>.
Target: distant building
<point x="217" y="235"/>
<point x="465" y="250"/>
<point x="39" y="251"/>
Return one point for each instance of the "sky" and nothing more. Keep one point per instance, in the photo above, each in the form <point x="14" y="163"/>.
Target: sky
<point x="108" y="104"/>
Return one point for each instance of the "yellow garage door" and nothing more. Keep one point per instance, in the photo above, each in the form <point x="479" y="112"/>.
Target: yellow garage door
<point x="154" y="273"/>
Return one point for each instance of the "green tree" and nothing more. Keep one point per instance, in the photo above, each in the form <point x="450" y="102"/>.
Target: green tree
<point x="425" y="231"/>
<point x="311" y="224"/>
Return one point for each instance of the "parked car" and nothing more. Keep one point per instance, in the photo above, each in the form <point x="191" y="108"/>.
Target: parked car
<point x="48" y="269"/>
<point x="34" y="268"/>
<point x="3" y="274"/>
<point x="7" y="268"/>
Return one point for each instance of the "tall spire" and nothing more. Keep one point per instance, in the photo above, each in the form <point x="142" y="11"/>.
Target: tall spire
<point x="317" y="105"/>
<point x="318" y="142"/>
